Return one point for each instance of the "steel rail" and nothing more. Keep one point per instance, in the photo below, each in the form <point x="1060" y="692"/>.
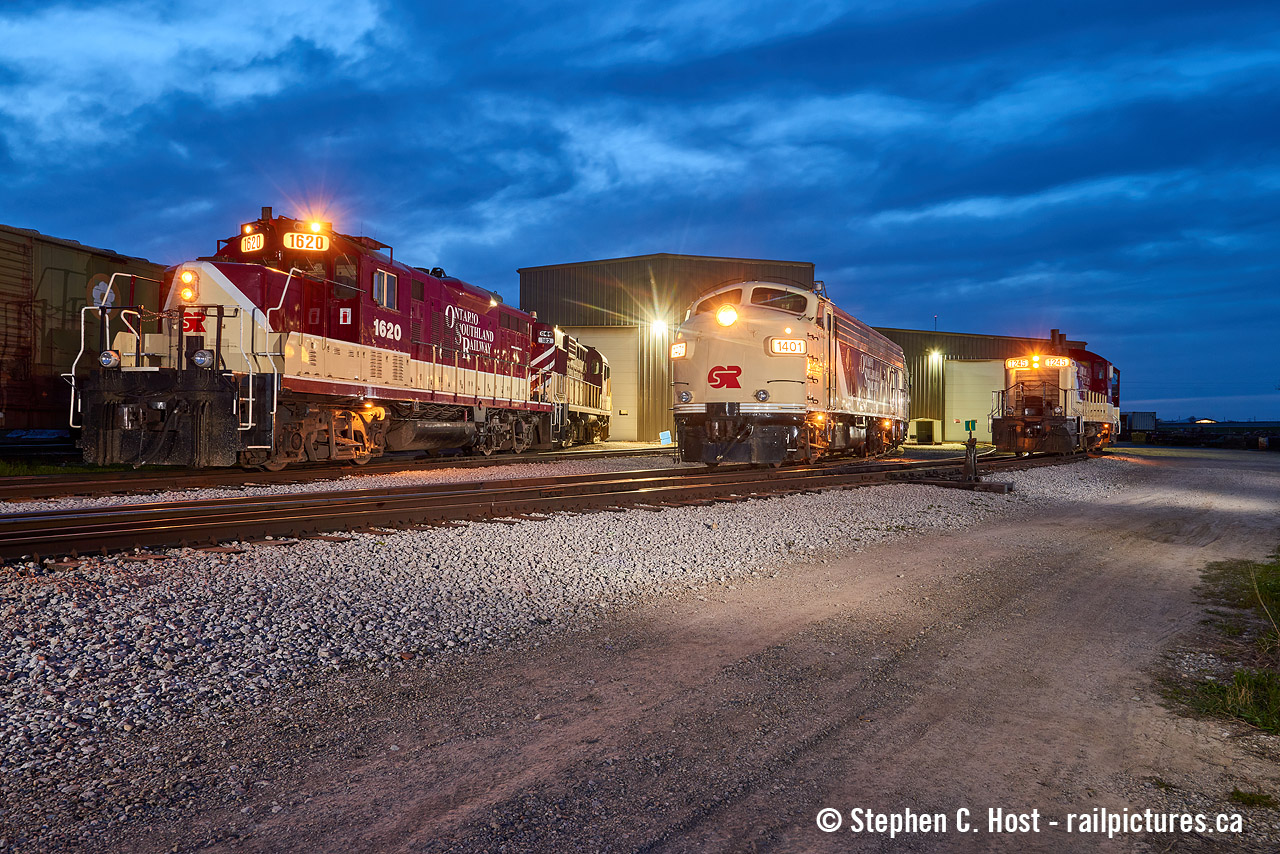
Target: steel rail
<point x="29" y="487"/>
<point x="153" y="525"/>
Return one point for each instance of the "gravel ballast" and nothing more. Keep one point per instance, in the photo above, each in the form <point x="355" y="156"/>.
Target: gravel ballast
<point x="98" y="660"/>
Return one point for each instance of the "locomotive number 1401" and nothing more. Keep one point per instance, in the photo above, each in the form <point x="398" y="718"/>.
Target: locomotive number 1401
<point x="387" y="330"/>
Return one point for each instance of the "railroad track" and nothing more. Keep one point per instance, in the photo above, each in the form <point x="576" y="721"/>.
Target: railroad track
<point x="27" y="487"/>
<point x="250" y="518"/>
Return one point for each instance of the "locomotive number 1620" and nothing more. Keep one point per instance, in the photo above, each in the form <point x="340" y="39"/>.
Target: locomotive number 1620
<point x="306" y="242"/>
<point x="387" y="330"/>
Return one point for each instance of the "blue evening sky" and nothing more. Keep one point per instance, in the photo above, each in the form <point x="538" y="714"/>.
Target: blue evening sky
<point x="1108" y="168"/>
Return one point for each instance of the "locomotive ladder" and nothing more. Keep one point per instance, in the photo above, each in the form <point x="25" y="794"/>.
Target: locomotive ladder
<point x="245" y="394"/>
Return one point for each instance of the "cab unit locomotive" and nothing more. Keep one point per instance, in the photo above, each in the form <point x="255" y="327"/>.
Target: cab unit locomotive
<point x="767" y="372"/>
<point x="298" y="343"/>
<point x="1058" y="403"/>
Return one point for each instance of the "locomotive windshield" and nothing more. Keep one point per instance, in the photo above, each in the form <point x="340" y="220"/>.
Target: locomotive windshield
<point x="780" y="299"/>
<point x="732" y="297"/>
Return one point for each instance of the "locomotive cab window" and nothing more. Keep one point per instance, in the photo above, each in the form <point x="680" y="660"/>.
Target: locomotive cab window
<point x="732" y="297"/>
<point x="789" y="301"/>
<point x="384" y="289"/>
<point x="312" y="266"/>
<point x="344" y="275"/>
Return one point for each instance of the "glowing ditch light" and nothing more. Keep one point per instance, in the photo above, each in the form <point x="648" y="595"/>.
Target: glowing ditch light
<point x="678" y="349"/>
<point x="787" y="346"/>
<point x="727" y="315"/>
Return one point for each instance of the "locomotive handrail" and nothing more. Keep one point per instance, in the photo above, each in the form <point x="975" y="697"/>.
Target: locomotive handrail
<point x="71" y="377"/>
<point x="253" y="351"/>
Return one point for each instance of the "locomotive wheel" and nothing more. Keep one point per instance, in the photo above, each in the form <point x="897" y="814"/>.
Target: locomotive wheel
<point x="275" y="464"/>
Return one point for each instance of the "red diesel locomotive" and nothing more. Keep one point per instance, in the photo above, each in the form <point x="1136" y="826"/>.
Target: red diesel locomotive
<point x="1061" y="402"/>
<point x="297" y="343"/>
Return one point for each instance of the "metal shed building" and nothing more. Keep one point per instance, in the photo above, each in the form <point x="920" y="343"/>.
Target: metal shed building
<point x="627" y="308"/>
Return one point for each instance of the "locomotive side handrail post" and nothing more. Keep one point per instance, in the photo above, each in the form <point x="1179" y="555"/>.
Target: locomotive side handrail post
<point x="217" y="341"/>
<point x="248" y="422"/>
<point x="71" y="376"/>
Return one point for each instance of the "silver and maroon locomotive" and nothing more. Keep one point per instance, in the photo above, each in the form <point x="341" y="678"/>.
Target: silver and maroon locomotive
<point x="297" y="343"/>
<point x="768" y="372"/>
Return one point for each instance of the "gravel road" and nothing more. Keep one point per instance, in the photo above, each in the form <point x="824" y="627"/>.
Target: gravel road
<point x="695" y="678"/>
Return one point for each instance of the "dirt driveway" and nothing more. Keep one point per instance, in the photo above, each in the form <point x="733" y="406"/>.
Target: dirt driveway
<point x="1010" y="666"/>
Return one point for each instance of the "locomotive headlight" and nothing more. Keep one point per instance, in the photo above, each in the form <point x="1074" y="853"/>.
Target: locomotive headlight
<point x="190" y="285"/>
<point x="727" y="315"/>
<point x="684" y="396"/>
<point x="202" y="358"/>
<point x="315" y="227"/>
<point x="762" y="395"/>
<point x="109" y="359"/>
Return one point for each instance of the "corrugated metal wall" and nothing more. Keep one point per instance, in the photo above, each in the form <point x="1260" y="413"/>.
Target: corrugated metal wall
<point x="44" y="282"/>
<point x="926" y="351"/>
<point x="638" y="292"/>
<point x="633" y="291"/>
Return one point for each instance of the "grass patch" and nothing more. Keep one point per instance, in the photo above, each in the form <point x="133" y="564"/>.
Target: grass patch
<point x="1252" y="799"/>
<point x="1252" y="695"/>
<point x="1244" y="599"/>
<point x="1247" y="586"/>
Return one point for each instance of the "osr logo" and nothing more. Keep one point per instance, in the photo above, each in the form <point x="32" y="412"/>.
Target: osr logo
<point x="724" y="377"/>
<point x="192" y="322"/>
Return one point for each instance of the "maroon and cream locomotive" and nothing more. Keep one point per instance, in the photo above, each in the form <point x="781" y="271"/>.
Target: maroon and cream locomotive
<point x="1059" y="402"/>
<point x="297" y="343"/>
